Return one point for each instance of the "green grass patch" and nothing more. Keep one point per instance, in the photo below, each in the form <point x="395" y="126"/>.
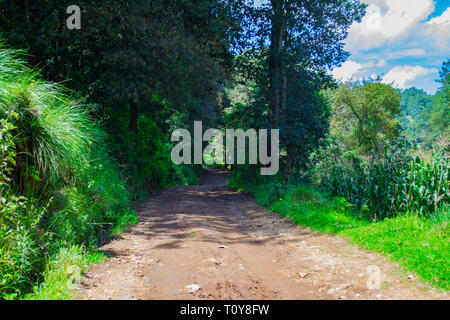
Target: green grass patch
<point x="305" y="206"/>
<point x="124" y="222"/>
<point x="63" y="273"/>
<point x="416" y="243"/>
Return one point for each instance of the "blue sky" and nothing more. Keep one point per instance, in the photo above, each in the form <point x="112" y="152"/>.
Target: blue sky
<point x="403" y="41"/>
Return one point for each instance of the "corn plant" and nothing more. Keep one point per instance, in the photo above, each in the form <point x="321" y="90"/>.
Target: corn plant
<point x="404" y="182"/>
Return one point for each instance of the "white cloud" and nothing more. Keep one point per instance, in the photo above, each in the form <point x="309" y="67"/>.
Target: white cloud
<point x="381" y="63"/>
<point x="351" y="70"/>
<point x="443" y="19"/>
<point x="400" y="16"/>
<point x="407" y="53"/>
<point x="436" y="33"/>
<point x="402" y="75"/>
<point x="397" y="39"/>
<point x="347" y="70"/>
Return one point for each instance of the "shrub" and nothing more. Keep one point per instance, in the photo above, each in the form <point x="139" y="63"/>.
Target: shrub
<point x="145" y="156"/>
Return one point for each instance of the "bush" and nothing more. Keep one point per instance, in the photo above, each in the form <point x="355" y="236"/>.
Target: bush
<point x="145" y="155"/>
<point x="87" y="208"/>
<point x="62" y="273"/>
<point x="21" y="241"/>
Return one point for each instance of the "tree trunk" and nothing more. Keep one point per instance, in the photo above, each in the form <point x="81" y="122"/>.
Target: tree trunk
<point x="276" y="61"/>
<point x="133" y="125"/>
<point x="288" y="167"/>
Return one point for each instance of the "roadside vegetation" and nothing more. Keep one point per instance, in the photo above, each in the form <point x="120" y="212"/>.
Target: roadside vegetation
<point x="86" y="118"/>
<point x="60" y="191"/>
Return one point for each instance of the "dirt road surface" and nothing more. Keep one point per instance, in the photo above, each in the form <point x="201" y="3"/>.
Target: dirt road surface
<point x="211" y="242"/>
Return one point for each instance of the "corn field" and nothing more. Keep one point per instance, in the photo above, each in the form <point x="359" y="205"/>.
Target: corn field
<point x="400" y="183"/>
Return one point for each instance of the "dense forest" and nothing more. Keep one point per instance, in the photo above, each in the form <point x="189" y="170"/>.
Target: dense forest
<point x="87" y="115"/>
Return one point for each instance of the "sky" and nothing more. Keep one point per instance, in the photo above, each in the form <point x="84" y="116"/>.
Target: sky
<point x="404" y="42"/>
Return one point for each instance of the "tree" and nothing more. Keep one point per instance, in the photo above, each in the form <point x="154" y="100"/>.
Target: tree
<point x="135" y="53"/>
<point x="305" y="39"/>
<point x="365" y="116"/>
<point x="416" y="104"/>
<point x="439" y="118"/>
<point x="167" y="60"/>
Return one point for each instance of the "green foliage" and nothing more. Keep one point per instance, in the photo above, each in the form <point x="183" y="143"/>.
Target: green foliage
<point x="145" y="157"/>
<point x="92" y="204"/>
<point x="18" y="250"/>
<point x="84" y="212"/>
<point x="159" y="58"/>
<point x="294" y="43"/>
<point x="426" y="118"/>
<point x="63" y="272"/>
<point x="58" y="188"/>
<point x="416" y="104"/>
<point x="153" y="158"/>
<point x="23" y="245"/>
<point x="148" y="67"/>
<point x="439" y="117"/>
<point x="52" y="131"/>
<point x="400" y="183"/>
<point x="364" y="163"/>
<point x="7" y="155"/>
<point x="365" y="116"/>
<point x="316" y="211"/>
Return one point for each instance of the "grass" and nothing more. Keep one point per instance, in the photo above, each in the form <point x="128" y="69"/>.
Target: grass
<point x="55" y="132"/>
<point x="66" y="268"/>
<point x="63" y="273"/>
<point x="416" y="243"/>
<point x="123" y="223"/>
<point x="419" y="245"/>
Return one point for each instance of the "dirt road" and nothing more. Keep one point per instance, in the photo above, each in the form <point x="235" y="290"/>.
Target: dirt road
<point x="210" y="242"/>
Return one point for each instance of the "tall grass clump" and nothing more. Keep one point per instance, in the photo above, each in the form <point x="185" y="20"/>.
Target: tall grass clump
<point x="60" y="193"/>
<point x="53" y="132"/>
